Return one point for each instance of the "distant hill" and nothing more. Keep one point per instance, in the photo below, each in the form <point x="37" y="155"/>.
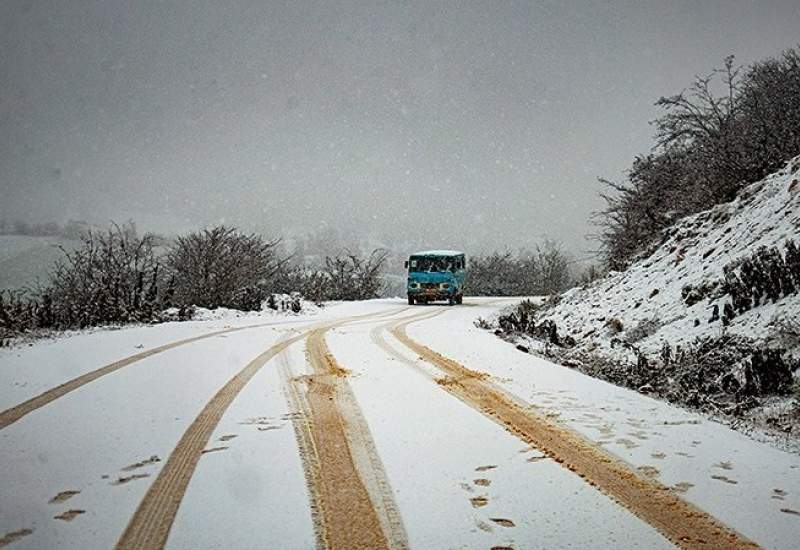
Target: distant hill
<point x="23" y="259"/>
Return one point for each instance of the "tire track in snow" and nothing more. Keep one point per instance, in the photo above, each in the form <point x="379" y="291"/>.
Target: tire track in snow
<point x="151" y="523"/>
<point x="9" y="416"/>
<point x="679" y="521"/>
<point x="352" y="502"/>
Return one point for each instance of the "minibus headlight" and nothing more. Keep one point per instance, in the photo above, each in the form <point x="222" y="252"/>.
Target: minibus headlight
<point x="445" y="285"/>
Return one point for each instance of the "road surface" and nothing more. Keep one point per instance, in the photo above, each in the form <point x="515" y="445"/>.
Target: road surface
<point x="364" y="425"/>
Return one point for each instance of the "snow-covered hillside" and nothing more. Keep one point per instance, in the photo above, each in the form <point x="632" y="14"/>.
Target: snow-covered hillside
<point x="670" y="295"/>
<point x="709" y="317"/>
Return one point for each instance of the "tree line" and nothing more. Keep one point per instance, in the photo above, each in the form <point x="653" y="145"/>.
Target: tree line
<point x="118" y="276"/>
<point x="544" y="270"/>
<point x="730" y="128"/>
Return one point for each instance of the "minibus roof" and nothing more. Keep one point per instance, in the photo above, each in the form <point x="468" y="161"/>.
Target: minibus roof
<point x="438" y="253"/>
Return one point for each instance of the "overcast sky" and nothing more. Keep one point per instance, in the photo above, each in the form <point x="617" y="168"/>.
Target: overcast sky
<point x="459" y="124"/>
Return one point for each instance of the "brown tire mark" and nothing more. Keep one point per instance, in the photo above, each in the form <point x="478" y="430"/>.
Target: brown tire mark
<point x="14" y="536"/>
<point x="9" y="416"/>
<point x="679" y="521"/>
<point x="151" y="523"/>
<point x="352" y="502"/>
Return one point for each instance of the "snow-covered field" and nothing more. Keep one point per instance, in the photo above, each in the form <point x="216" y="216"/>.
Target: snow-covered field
<point x="76" y="468"/>
<point x="24" y="259"/>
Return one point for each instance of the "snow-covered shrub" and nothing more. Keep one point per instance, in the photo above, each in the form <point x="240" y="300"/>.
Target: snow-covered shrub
<point x="114" y="276"/>
<point x="284" y="302"/>
<point x="223" y="267"/>
<point x="543" y="271"/>
<point x="614" y="326"/>
<point x="521" y="320"/>
<point x="767" y="275"/>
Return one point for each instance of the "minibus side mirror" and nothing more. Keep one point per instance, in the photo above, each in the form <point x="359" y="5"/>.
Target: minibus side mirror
<point x="405" y="264"/>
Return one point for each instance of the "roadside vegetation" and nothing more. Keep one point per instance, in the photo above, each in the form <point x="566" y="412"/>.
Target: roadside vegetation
<point x="545" y="270"/>
<point x="117" y="276"/>
<point x="730" y="128"/>
<point x="697" y="298"/>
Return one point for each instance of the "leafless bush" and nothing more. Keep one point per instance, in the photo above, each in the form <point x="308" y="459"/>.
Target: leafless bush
<point x="18" y="313"/>
<point x="112" y="277"/>
<point x="351" y="277"/>
<point x="544" y="271"/>
<point x="222" y="267"/>
<point x="707" y="148"/>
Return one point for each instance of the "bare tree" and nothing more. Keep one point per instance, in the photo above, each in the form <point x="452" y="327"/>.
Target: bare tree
<point x="221" y="266"/>
<point x="351" y="277"/>
<point x="113" y="276"/>
<point x="544" y="271"/>
<point x="729" y="129"/>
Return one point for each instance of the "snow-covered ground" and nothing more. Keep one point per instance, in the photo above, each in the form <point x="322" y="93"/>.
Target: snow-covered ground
<point x="766" y="213"/>
<point x="434" y="449"/>
<point x="110" y="438"/>
<point x="744" y="483"/>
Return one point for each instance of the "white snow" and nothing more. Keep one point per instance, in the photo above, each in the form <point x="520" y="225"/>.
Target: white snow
<point x="765" y="213"/>
<point x="639" y="430"/>
<point x="431" y="444"/>
<point x="253" y="494"/>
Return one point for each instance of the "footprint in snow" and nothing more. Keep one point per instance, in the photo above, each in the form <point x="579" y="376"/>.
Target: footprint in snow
<point x="485" y="468"/>
<point x="126" y="479"/>
<point x="503" y="521"/>
<point x="649" y="471"/>
<point x="142" y="463"/>
<point x="213" y="450"/>
<point x="69" y="515"/>
<point x="63" y="496"/>
<point x="778" y="494"/>
<point x="478" y="502"/>
<point x="682" y="487"/>
<point x="725" y="465"/>
<point x="258" y="420"/>
<point x="790" y="511"/>
<point x="13" y="536"/>
<point x="483" y="526"/>
<point x="627" y="443"/>
<point x="725" y="479"/>
<point x="483" y="482"/>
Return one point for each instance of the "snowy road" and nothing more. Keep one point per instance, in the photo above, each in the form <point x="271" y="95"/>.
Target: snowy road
<point x="367" y="425"/>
